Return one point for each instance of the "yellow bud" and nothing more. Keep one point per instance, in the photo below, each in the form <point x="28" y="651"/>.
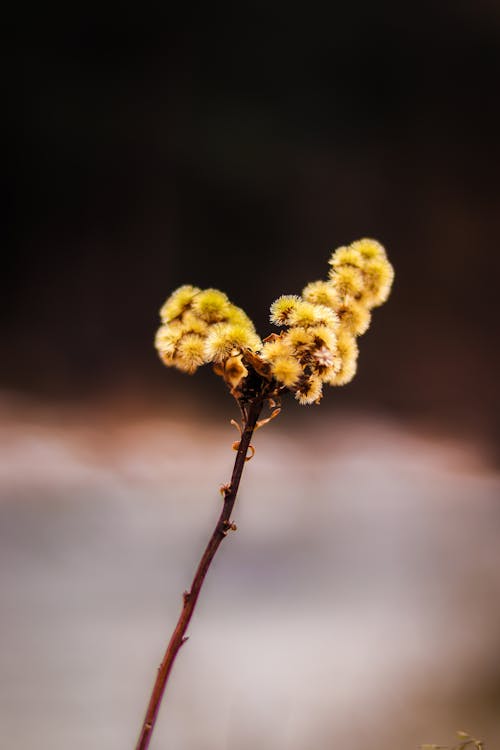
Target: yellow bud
<point x="368" y="248"/>
<point x="178" y="302"/>
<point x="347" y="354"/>
<point x="300" y="338"/>
<point x="192" y="323"/>
<point x="354" y="316"/>
<point x="282" y="308"/>
<point x="310" y="391"/>
<point x="346" y="256"/>
<point x="211" y="305"/>
<point x="190" y="352"/>
<point x="166" y="340"/>
<point x="286" y="370"/>
<point x="321" y="293"/>
<point x="347" y="280"/>
<point x="224" y="337"/>
<point x="308" y="314"/>
<point x="324" y="336"/>
<point x="378" y="275"/>
<point x="278" y="347"/>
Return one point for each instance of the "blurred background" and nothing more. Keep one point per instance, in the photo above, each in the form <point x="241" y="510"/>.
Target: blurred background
<point x="358" y="603"/>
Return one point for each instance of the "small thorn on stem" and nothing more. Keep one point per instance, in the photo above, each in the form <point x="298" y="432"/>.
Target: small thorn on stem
<point x="186" y="596"/>
<point x="262" y="422"/>
<point x="238" y="426"/>
<point x="228" y="526"/>
<point x="252" y="454"/>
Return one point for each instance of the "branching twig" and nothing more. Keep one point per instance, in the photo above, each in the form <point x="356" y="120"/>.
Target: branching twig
<point x="316" y="346"/>
<point x="251" y="412"/>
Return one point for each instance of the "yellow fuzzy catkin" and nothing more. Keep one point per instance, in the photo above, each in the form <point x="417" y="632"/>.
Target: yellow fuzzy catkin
<point x="346" y="256"/>
<point x="303" y="314"/>
<point x="286" y="370"/>
<point x="317" y="344"/>
<point x="347" y="280"/>
<point x="321" y="293"/>
<point x="224" y="337"/>
<point x="190" y="352"/>
<point x="362" y="271"/>
<point x="211" y="305"/>
<point x="368" y="248"/>
<point x="310" y="391"/>
<point x="378" y="274"/>
<point x="283" y="307"/>
<point x="278" y="347"/>
<point x="193" y="323"/>
<point x="202" y="326"/>
<point x="166" y="341"/>
<point x="354" y="316"/>
<point x="325" y="336"/>
<point x="309" y="314"/>
<point x="347" y="353"/>
<point x="299" y="338"/>
<point x="178" y="302"/>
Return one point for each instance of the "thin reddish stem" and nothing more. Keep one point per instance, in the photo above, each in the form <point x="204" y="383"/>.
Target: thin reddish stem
<point x="251" y="413"/>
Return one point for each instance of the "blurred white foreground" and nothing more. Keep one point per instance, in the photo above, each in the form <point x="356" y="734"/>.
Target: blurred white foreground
<point x="357" y="605"/>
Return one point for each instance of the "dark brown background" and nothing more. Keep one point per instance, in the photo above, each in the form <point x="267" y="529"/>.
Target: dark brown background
<point x="237" y="150"/>
<point x="358" y="604"/>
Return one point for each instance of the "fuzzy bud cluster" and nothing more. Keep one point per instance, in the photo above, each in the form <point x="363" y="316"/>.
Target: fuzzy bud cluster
<point x="201" y="326"/>
<point x="318" y="344"/>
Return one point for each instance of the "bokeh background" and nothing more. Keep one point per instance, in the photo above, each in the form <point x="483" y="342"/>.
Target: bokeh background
<point x="358" y="602"/>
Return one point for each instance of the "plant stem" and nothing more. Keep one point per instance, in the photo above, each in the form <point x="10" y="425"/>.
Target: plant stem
<point x="251" y="414"/>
